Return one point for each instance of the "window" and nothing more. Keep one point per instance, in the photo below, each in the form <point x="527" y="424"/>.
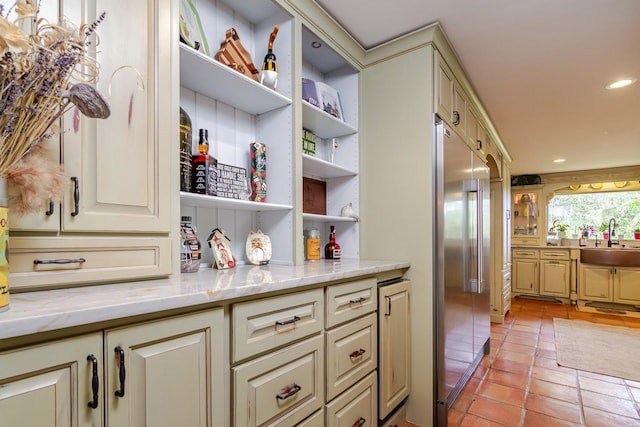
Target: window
<point x="595" y="209"/>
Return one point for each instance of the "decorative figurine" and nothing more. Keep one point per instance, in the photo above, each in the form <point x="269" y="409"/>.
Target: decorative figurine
<point x="221" y="247"/>
<point x="258" y="248"/>
<point x="269" y="71"/>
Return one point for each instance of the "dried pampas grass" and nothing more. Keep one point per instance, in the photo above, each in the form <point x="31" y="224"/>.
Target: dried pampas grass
<point x="34" y="179"/>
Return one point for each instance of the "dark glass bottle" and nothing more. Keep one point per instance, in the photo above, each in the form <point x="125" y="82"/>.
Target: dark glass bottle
<point x="185" y="151"/>
<point x="332" y="249"/>
<point x="205" y="168"/>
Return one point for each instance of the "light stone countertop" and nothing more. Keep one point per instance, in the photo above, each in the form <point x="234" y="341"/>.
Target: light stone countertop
<point x="41" y="311"/>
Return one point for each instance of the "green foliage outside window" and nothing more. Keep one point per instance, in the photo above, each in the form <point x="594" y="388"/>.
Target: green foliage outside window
<point x="575" y="210"/>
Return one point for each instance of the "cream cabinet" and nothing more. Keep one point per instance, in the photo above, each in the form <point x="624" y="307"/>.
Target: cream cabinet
<point x="117" y="167"/>
<point x="609" y="284"/>
<point x="545" y="272"/>
<point x="166" y="372"/>
<point x="451" y="102"/>
<point x="596" y="283"/>
<point x="283" y="387"/>
<point x="525" y="271"/>
<point x="394" y="324"/>
<point x="527" y="216"/>
<point x="555" y="273"/>
<point x="356" y="406"/>
<point x="51" y="384"/>
<point x="626" y="285"/>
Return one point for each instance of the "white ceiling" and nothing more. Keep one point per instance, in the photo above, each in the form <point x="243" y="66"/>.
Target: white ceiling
<point x="539" y="66"/>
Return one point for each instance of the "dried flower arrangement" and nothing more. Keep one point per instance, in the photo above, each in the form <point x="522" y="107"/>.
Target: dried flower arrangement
<point x="38" y="69"/>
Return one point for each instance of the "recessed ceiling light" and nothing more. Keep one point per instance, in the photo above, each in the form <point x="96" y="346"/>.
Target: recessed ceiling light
<point x="316" y="44"/>
<point x="559" y="160"/>
<point x="621" y="83"/>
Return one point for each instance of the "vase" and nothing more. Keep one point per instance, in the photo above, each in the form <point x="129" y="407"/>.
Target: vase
<point x="4" y="246"/>
<point x="605" y="236"/>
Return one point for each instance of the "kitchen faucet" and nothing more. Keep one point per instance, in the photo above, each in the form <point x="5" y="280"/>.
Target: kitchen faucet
<point x="612" y="232"/>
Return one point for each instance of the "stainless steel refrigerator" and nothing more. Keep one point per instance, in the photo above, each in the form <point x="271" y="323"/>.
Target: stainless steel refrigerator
<point x="462" y="225"/>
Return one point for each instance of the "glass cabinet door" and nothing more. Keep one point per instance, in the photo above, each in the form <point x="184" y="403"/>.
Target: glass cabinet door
<point x="525" y="214"/>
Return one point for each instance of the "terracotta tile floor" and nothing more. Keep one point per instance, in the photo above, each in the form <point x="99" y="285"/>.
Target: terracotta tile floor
<point x="519" y="383"/>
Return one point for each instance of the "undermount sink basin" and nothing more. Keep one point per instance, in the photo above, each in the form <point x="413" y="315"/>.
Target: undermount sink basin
<point x="611" y="256"/>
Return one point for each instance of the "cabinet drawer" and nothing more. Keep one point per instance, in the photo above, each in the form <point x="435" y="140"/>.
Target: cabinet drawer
<point x="398" y="419"/>
<point x="525" y="253"/>
<point x="351" y="354"/>
<point x="263" y="325"/>
<point x="315" y="420"/>
<point x="106" y="260"/>
<point x="280" y="388"/>
<point x="356" y="406"/>
<point x="525" y="241"/>
<point x="350" y="300"/>
<point x="554" y="254"/>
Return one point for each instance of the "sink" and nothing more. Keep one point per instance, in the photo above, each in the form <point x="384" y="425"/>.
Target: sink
<point x="620" y="257"/>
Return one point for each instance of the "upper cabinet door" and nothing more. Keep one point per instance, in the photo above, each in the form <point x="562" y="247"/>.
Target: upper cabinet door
<point x="120" y="167"/>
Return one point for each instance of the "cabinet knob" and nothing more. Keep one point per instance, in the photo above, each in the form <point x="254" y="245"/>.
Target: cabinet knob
<point x="359" y="423"/>
<point x="456" y="118"/>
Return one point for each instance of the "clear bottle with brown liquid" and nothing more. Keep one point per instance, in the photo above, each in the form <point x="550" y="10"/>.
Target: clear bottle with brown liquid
<point x="332" y="249"/>
<point x="205" y="168"/>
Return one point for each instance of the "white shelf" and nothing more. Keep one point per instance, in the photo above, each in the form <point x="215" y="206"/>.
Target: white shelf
<point x="209" y="77"/>
<point x="323" y="169"/>
<point x="324" y="125"/>
<point x="205" y="201"/>
<point x="326" y="218"/>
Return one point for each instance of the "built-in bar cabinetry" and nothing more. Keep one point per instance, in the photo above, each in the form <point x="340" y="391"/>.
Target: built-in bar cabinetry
<point x="310" y="355"/>
<point x="237" y="111"/>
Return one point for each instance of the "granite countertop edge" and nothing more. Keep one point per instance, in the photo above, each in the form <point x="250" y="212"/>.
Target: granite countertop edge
<point x="42" y="311"/>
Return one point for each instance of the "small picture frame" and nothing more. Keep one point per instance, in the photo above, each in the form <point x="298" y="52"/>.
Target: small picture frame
<point x="191" y="32"/>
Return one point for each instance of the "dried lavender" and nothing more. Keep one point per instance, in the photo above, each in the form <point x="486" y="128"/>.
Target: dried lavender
<point x="35" y="88"/>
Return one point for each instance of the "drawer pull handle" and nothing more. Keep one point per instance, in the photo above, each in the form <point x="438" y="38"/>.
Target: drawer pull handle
<point x="95" y="381"/>
<point x="49" y="211"/>
<point x="121" y="370"/>
<point x="358" y="301"/>
<point x="288" y="391"/>
<point x="60" y="261"/>
<point x="359" y="423"/>
<point x="287" y="322"/>
<point x="357" y="353"/>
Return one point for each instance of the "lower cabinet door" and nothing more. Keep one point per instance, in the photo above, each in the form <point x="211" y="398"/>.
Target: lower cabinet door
<point x="355" y="407"/>
<point x="166" y="373"/>
<point x="595" y="283"/>
<point x="51" y="384"/>
<point x="626" y="286"/>
<point x="281" y="388"/>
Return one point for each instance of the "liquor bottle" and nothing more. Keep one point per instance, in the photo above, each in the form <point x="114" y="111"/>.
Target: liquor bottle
<point x="332" y="249"/>
<point x="205" y="168"/>
<point x="185" y="151"/>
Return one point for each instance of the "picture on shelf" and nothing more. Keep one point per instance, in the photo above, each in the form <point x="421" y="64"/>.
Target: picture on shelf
<point x="329" y="100"/>
<point x="309" y="92"/>
<point x="191" y="32"/>
<point x="323" y="96"/>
